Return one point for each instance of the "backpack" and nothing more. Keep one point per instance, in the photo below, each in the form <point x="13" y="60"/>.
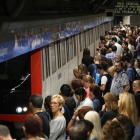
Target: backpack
<point x="96" y="75"/>
<point x="137" y="77"/>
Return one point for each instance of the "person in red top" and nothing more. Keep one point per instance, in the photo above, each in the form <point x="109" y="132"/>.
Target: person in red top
<point x="88" y="81"/>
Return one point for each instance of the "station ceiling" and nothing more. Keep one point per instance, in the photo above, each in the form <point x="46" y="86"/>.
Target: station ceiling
<point x="37" y="8"/>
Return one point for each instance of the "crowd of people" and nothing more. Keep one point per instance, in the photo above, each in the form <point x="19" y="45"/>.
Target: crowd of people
<point x="103" y="100"/>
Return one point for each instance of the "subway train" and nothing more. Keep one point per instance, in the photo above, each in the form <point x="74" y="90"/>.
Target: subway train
<point x="41" y="62"/>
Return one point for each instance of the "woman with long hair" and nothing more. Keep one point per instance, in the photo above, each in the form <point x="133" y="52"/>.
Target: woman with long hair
<point x="110" y="108"/>
<point x="94" y="117"/>
<point x="127" y="113"/>
<point x="82" y="69"/>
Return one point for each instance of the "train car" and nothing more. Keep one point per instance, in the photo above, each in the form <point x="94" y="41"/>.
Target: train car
<point x="43" y="58"/>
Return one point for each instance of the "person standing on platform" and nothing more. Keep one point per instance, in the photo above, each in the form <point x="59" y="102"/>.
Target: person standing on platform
<point x="120" y="82"/>
<point x="58" y="122"/>
<point x="136" y="89"/>
<point x="35" y="104"/>
<point x="5" y="133"/>
<point x="119" y="47"/>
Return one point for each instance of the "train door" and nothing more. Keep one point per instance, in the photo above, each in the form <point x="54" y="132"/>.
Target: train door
<point x="79" y="49"/>
<point x="53" y="69"/>
<point x="45" y="72"/>
<point x="96" y="36"/>
<point x="91" y="45"/>
<point x="94" y="40"/>
<point x="62" y="57"/>
<point x="82" y="46"/>
<point x="72" y="62"/>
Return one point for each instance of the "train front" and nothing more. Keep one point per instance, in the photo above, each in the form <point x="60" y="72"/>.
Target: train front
<point x="15" y="91"/>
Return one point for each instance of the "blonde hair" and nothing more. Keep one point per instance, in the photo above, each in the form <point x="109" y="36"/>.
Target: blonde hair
<point x="75" y="70"/>
<point x="112" y="100"/>
<point x="59" y="98"/>
<point x="127" y="106"/>
<point x="94" y="117"/>
<point x="97" y="58"/>
<point x="83" y="69"/>
<point x="111" y="70"/>
<point x="88" y="78"/>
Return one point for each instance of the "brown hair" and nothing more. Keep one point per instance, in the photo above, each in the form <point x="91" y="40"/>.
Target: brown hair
<point x="112" y="130"/>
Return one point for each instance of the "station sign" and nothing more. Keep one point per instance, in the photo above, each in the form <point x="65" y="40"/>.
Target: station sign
<point x="126" y="8"/>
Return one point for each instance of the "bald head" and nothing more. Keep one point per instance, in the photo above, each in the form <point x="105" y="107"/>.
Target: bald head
<point x="136" y="86"/>
<point x="4" y="133"/>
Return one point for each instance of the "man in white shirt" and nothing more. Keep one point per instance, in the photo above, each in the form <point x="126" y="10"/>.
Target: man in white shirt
<point x="119" y="47"/>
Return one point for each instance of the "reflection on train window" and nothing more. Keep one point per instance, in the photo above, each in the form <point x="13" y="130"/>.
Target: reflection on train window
<point x="84" y="40"/>
<point x="91" y="37"/>
<point x="70" y="49"/>
<point x="47" y="62"/>
<point x="58" y="55"/>
<point x="74" y="44"/>
<point x="43" y="74"/>
<point x="93" y="33"/>
<point x="88" y="37"/>
<point x="77" y="43"/>
<point x="62" y="43"/>
<point x="67" y="49"/>
<point x="96" y="32"/>
<point x="53" y="58"/>
<point x="80" y="44"/>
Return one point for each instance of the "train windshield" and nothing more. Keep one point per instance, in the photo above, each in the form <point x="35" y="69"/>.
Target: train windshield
<point x="15" y="85"/>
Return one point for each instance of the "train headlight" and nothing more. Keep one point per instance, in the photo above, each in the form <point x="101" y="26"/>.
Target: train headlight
<point x="18" y="109"/>
<point x="25" y="109"/>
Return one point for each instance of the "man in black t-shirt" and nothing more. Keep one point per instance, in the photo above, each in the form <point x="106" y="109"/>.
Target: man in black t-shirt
<point x="35" y="104"/>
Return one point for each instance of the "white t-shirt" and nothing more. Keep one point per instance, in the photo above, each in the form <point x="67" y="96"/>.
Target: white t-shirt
<point x="86" y="102"/>
<point x="119" y="48"/>
<point x="131" y="48"/>
<point x="104" y="80"/>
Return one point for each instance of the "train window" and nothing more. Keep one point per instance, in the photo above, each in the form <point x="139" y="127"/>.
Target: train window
<point x="53" y="58"/>
<point x="62" y="44"/>
<point x="67" y="49"/>
<point x="47" y="62"/>
<point x="70" y="49"/>
<point x="83" y="40"/>
<point x="74" y="44"/>
<point x="79" y="36"/>
<point x="97" y="33"/>
<point x="43" y="74"/>
<point x="93" y="33"/>
<point x="86" y="38"/>
<point x="99" y="27"/>
<point x="58" y="55"/>
<point x="92" y="36"/>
